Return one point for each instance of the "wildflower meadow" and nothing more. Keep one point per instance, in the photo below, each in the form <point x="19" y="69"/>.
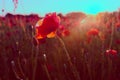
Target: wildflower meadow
<point x="74" y="46"/>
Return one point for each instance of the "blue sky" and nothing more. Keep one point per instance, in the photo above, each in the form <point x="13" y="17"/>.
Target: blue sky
<point x="42" y="7"/>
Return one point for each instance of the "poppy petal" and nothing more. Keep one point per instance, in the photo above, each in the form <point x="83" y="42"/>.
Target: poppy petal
<point x="51" y="35"/>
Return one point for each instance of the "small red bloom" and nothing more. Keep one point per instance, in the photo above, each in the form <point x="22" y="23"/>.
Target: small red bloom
<point x="93" y="32"/>
<point x="61" y="28"/>
<point x="66" y="33"/>
<point x="62" y="31"/>
<point x="111" y="51"/>
<point x="118" y="25"/>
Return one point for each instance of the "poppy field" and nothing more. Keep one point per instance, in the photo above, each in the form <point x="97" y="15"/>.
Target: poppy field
<point x="74" y="46"/>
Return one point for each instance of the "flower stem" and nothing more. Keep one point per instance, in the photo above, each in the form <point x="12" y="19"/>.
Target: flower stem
<point x="75" y="72"/>
<point x="111" y="39"/>
<point x="35" y="62"/>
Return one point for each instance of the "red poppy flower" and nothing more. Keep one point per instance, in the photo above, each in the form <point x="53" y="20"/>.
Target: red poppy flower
<point x="62" y="31"/>
<point x="111" y="51"/>
<point x="93" y="32"/>
<point x="66" y="33"/>
<point x="47" y="26"/>
<point x="117" y="25"/>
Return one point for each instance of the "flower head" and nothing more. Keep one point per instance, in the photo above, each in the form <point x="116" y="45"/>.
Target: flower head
<point x="111" y="52"/>
<point x="66" y="33"/>
<point x="117" y="25"/>
<point x="93" y="32"/>
<point x="47" y="26"/>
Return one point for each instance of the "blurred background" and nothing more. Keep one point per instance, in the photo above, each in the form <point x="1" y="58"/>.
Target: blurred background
<point x="62" y="6"/>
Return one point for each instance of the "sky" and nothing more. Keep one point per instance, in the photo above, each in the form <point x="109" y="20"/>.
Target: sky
<point x="42" y="7"/>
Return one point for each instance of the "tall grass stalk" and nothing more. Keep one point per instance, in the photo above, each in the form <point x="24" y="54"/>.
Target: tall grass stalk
<point x="73" y="67"/>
